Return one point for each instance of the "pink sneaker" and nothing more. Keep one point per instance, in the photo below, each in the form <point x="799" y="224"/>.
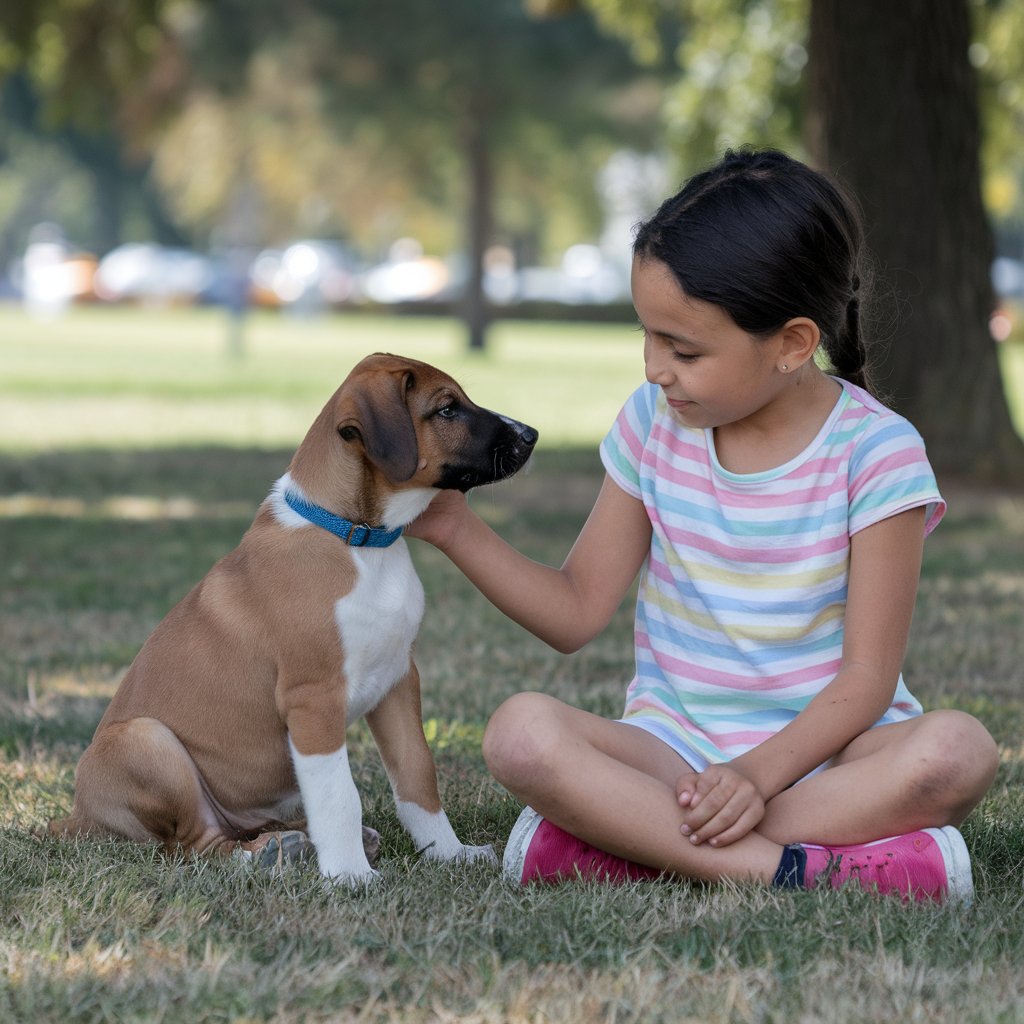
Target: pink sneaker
<point x="542" y="852"/>
<point x="932" y="864"/>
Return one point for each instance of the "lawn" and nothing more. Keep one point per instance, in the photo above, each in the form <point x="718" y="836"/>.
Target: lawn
<point x="133" y="451"/>
<point x="124" y="379"/>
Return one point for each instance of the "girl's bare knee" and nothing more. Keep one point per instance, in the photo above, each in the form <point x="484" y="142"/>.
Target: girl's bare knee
<point x="970" y="743"/>
<point x="520" y="738"/>
<point x="957" y="760"/>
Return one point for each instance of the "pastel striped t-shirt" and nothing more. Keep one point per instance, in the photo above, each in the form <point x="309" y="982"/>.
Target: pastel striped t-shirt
<point x="739" y="619"/>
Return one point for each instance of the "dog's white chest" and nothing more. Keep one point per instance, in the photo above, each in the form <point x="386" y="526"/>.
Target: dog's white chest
<point x="378" y="621"/>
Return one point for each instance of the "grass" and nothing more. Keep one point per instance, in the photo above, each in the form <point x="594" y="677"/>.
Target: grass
<point x="116" y="378"/>
<point x="105" y="523"/>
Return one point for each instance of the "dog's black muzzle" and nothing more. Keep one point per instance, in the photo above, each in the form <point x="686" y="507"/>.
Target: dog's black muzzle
<point x="499" y="448"/>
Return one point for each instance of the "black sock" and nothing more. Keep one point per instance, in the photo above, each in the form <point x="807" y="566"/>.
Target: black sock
<point x="792" y="866"/>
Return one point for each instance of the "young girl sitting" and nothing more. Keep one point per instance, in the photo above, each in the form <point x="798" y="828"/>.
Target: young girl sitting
<point x="777" y="515"/>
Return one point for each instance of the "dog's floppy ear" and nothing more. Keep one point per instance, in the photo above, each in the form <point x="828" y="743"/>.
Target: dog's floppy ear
<point x="381" y="418"/>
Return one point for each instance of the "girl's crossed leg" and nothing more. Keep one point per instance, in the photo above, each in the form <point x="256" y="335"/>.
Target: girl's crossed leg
<point x="613" y="786"/>
<point x="926" y="772"/>
<point x="610" y="784"/>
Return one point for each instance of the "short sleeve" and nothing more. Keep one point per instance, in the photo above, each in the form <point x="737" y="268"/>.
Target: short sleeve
<point x="623" y="446"/>
<point x="890" y="473"/>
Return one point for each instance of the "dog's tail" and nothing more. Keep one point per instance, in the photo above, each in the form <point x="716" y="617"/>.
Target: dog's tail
<point x="70" y="827"/>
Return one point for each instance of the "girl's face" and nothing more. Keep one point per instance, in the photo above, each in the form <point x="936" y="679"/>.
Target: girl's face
<point x="711" y="371"/>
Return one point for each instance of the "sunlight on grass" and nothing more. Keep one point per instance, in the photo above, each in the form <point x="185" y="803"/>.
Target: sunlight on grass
<point x="128" y="507"/>
<point x="1012" y="363"/>
<point x="46" y="685"/>
<point x="134" y="378"/>
<point x="129" y="378"/>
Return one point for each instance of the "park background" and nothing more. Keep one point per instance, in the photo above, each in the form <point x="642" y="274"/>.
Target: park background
<point x="209" y="210"/>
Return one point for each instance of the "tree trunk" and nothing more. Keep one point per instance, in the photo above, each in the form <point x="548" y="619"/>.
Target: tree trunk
<point x="100" y="155"/>
<point x="165" y="231"/>
<point x="894" y="114"/>
<point x="481" y="194"/>
<point x="109" y="194"/>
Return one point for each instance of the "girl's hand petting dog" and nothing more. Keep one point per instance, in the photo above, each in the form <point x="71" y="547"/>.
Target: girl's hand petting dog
<point x="440" y="521"/>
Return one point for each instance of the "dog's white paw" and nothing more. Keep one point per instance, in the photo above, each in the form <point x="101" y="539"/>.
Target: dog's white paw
<point x="353" y="879"/>
<point x="464" y="854"/>
<point x="485" y="854"/>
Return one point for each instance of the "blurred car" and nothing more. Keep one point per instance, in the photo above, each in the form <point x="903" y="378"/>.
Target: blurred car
<point x="1008" y="284"/>
<point x="584" y="276"/>
<point x="1008" y="277"/>
<point x="53" y="273"/>
<point x="407" y="275"/>
<point x="308" y="274"/>
<point x="1000" y="324"/>
<point x="147" y="272"/>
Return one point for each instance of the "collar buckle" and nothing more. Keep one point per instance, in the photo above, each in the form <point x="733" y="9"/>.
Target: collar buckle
<point x="360" y="535"/>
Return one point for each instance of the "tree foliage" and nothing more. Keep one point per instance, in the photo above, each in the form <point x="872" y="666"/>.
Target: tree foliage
<point x="741" y="79"/>
<point x="339" y="121"/>
<point x="106" y="67"/>
<point x="891" y="107"/>
<point x="739" y="70"/>
<point x="998" y="53"/>
<point x="96" y="79"/>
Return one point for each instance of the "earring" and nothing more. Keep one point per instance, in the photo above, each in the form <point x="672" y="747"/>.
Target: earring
<point x="785" y="367"/>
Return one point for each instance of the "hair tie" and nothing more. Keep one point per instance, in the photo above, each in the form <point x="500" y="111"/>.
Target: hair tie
<point x="855" y="283"/>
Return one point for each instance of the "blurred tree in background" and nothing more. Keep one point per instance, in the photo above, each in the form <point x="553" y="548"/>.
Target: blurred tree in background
<point x="352" y="119"/>
<point x="890" y="104"/>
<point x="895" y="113"/>
<point x="85" y="86"/>
<point x="485" y="87"/>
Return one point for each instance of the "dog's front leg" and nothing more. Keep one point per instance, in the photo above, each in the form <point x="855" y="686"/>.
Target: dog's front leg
<point x="333" y="809"/>
<point x="397" y="727"/>
<point x="333" y="813"/>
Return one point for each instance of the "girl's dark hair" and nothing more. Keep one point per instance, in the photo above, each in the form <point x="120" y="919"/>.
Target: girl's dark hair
<point x="767" y="239"/>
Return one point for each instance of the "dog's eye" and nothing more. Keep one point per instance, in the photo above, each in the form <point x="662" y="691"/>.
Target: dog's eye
<point x="448" y="412"/>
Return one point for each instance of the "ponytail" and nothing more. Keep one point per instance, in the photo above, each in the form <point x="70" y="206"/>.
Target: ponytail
<point x="846" y="350"/>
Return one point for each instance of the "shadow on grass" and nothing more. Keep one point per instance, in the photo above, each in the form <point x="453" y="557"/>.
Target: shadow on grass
<point x="203" y="474"/>
<point x="100" y="544"/>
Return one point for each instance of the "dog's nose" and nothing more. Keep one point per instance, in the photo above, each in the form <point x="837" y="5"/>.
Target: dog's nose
<point x="528" y="434"/>
<point x="525" y="433"/>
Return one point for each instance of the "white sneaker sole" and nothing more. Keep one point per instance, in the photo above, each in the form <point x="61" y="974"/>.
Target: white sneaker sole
<point x="958" y="864"/>
<point x="514" y="861"/>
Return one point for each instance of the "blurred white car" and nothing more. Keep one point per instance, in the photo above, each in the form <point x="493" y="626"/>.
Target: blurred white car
<point x="308" y="273"/>
<point x="52" y="274"/>
<point x="408" y="275"/>
<point x="1008" y="277"/>
<point x="147" y="272"/>
<point x="584" y="276"/>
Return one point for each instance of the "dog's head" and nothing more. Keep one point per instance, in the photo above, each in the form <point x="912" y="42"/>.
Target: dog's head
<point x="408" y="425"/>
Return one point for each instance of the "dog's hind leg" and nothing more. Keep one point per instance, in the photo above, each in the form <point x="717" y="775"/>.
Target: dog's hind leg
<point x="136" y="780"/>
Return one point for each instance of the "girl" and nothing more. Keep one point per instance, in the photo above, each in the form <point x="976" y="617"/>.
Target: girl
<point x="778" y="514"/>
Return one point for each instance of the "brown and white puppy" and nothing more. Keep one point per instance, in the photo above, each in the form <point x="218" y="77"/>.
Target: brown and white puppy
<point x="231" y="720"/>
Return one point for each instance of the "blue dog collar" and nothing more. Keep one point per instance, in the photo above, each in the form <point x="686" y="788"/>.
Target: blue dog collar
<point x="355" y="536"/>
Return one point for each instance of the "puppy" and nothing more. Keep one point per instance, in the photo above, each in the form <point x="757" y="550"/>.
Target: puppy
<point x="229" y="726"/>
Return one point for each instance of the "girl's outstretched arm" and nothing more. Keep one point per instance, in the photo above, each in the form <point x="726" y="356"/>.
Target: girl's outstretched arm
<point x="565" y="607"/>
